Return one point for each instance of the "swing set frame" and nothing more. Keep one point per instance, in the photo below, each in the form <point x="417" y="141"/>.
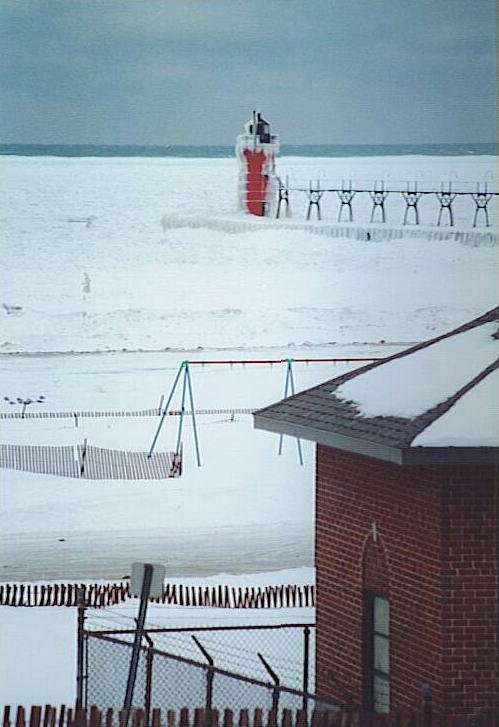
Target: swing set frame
<point x="184" y="376"/>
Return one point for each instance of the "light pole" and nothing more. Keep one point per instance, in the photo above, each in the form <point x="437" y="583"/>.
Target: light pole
<point x="24" y="402"/>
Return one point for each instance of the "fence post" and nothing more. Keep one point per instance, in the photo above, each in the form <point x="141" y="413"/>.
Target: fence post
<point x="306" y="659"/>
<point x="83" y="455"/>
<point x="148" y="685"/>
<point x="49" y="716"/>
<point x="209" y="673"/>
<point x="134" y="661"/>
<point x="277" y="685"/>
<point x="80" y="603"/>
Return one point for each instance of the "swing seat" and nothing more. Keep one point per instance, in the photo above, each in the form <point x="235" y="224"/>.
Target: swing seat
<point x="176" y="463"/>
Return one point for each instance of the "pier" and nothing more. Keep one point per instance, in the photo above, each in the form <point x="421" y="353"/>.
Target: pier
<point x="412" y="193"/>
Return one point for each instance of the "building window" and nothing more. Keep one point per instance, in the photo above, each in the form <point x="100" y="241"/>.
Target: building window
<point x="376" y="652"/>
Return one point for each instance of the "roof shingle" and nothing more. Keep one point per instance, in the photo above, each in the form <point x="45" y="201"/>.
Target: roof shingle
<point x="321" y="415"/>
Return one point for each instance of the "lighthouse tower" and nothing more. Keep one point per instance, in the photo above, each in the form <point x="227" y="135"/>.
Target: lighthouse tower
<point x="256" y="150"/>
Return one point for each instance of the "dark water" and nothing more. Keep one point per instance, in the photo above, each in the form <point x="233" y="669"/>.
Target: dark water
<point x="307" y="150"/>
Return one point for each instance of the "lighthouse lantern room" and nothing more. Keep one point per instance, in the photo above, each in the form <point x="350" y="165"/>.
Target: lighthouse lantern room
<point x="256" y="150"/>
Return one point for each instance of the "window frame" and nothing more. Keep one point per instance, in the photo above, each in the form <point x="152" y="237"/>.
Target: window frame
<point x="369" y="636"/>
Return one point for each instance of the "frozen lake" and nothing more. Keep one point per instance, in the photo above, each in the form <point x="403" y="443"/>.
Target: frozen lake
<point x="200" y="552"/>
<point x="165" y="263"/>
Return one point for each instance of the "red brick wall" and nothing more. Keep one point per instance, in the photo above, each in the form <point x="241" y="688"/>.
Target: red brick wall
<point x="435" y="525"/>
<point x="470" y="578"/>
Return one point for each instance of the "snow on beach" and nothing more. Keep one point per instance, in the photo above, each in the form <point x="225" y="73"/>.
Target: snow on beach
<point x="235" y="510"/>
<point x="151" y="270"/>
<point x="37" y="656"/>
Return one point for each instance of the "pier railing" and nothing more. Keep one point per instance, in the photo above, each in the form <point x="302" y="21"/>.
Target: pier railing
<point x="412" y="192"/>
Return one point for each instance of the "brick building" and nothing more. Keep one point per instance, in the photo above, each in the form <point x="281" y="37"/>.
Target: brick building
<point x="406" y="535"/>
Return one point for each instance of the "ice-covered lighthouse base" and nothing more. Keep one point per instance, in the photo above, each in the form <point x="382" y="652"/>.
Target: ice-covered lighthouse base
<point x="256" y="150"/>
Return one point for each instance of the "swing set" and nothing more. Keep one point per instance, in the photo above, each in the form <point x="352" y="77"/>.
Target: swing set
<point x="183" y="378"/>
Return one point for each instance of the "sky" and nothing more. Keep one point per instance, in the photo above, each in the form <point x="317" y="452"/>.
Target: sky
<point x="191" y="71"/>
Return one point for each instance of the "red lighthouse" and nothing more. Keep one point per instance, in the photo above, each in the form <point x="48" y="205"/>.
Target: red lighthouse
<point x="256" y="150"/>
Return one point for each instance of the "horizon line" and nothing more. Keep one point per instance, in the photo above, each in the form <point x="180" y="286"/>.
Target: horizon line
<point x="226" y="145"/>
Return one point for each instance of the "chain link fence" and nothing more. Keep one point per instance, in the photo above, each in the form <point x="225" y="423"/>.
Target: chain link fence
<point x="219" y="668"/>
<point x="287" y="649"/>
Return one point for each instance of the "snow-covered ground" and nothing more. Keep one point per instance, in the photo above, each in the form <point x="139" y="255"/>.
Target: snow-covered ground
<point x="245" y="509"/>
<point x="127" y="281"/>
<point x="124" y="282"/>
<point x="37" y="656"/>
<point x="161" y="273"/>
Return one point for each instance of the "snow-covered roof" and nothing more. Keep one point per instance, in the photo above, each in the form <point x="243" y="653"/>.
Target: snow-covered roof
<point x="436" y="402"/>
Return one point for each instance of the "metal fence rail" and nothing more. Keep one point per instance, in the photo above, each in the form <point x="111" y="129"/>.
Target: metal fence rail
<point x="287" y="648"/>
<point x="411" y="192"/>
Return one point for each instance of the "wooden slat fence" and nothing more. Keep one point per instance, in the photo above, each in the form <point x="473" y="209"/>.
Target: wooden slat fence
<point x="39" y="459"/>
<point x="100" y="595"/>
<point x="90" y="463"/>
<point x="75" y="415"/>
<point x="64" y="716"/>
